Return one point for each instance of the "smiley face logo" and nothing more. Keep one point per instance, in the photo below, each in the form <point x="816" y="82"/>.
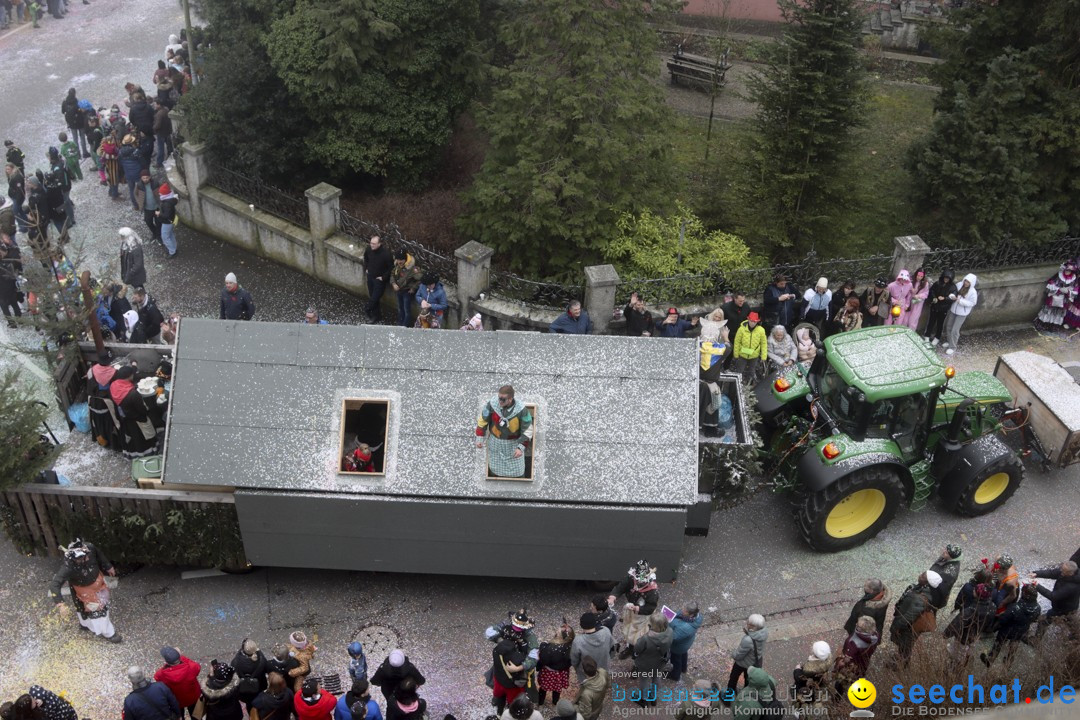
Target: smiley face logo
<point x="862" y="693"/>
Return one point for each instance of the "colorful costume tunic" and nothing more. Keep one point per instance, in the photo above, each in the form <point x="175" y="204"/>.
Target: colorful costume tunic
<point x="1059" y="308"/>
<point x="83" y="570"/>
<point x="508" y="430"/>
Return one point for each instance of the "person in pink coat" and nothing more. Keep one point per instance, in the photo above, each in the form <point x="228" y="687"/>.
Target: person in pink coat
<point x="920" y="290"/>
<point x="899" y="295"/>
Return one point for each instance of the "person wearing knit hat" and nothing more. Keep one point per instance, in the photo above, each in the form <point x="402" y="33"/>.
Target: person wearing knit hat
<point x="816" y="304"/>
<point x="302" y="652"/>
<point x="236" y="302"/>
<point x="314" y="703"/>
<point x="750" y="348"/>
<point x="219" y="692"/>
<point x="565" y="710"/>
<point x="181" y="676"/>
<point x="594" y="641"/>
<point x="147" y="700"/>
<point x="948" y="567"/>
<point x="395" y="669"/>
<point x="166" y="217"/>
<point x="811" y="680"/>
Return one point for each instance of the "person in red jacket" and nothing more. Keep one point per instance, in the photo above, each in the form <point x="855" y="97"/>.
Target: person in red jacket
<point x="181" y="675"/>
<point x="314" y="703"/>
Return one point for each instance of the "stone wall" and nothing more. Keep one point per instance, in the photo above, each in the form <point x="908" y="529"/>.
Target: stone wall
<point x="1006" y="296"/>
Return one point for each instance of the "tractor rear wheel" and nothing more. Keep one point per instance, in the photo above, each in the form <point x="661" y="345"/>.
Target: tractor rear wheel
<point x="991" y="486"/>
<point x="852" y="510"/>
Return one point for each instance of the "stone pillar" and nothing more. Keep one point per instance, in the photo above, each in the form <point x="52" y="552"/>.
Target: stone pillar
<point x="473" y="267"/>
<point x="324" y="204"/>
<point x="600" y="282"/>
<point x="196" y="173"/>
<point x="176" y="117"/>
<point x="908" y="253"/>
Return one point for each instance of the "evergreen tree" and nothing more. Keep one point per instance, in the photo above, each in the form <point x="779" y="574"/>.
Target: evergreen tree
<point x="382" y="80"/>
<point x="22" y="454"/>
<point x="1001" y="164"/>
<point x="303" y="90"/>
<point x="577" y="129"/>
<point x="811" y="97"/>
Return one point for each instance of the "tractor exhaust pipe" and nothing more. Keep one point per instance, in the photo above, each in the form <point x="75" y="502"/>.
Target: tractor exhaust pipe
<point x="957" y="423"/>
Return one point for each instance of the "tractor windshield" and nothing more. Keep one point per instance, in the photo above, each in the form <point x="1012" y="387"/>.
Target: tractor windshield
<point x="840" y="400"/>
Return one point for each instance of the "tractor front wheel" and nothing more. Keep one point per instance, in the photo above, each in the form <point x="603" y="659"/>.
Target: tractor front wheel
<point x="991" y="486"/>
<point x="852" y="510"/>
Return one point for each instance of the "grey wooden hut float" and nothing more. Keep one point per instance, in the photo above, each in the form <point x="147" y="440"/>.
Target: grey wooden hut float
<point x="613" y="468"/>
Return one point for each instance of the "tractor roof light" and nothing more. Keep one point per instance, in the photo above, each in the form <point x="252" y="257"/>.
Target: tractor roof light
<point x="950" y="372"/>
<point x="782" y="384"/>
<point x="830" y="451"/>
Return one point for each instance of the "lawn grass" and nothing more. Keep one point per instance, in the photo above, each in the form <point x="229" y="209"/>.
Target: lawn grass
<point x="898" y="115"/>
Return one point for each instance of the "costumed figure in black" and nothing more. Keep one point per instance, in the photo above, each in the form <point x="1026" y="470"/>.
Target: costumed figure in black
<point x="519" y="629"/>
<point x="642" y="598"/>
<point x="84" y="569"/>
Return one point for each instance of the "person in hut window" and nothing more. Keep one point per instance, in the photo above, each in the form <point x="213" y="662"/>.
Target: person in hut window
<point x="360" y="459"/>
<point x="509" y="425"/>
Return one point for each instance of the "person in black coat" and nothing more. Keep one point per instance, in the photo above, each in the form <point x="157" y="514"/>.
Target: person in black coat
<point x="406" y="703"/>
<point x="378" y="265"/>
<point x="150" y="318"/>
<point x="1064" y="598"/>
<point x="839" y="298"/>
<point x="948" y="567"/>
<point x="149" y="700"/>
<point x="220" y="694"/>
<point x="639" y="321"/>
<point x="394" y="669"/>
<point x="874" y="603"/>
<point x="781" y="304"/>
<point x="969" y="624"/>
<point x="966" y="596"/>
<point x="276" y="701"/>
<point x="939" y="302"/>
<point x="250" y="666"/>
<point x="1013" y="624"/>
<point x="236" y="302"/>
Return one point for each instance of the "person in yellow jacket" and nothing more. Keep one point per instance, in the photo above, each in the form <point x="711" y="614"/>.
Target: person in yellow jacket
<point x="751" y="345"/>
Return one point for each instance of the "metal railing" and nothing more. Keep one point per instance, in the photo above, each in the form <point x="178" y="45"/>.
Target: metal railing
<point x="427" y="259"/>
<point x="961" y="260"/>
<point x="715" y="282"/>
<point x="509" y="286"/>
<point x="265" y="197"/>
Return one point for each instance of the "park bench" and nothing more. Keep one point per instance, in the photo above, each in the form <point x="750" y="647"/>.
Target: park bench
<point x="697" y="70"/>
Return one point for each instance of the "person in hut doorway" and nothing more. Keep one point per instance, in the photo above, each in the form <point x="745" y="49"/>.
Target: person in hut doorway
<point x="642" y="597"/>
<point x="508" y="423"/>
<point x="84" y="569"/>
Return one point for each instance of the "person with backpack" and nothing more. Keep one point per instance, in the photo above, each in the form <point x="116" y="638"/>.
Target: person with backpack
<point x="250" y="666"/>
<point x="750" y="652"/>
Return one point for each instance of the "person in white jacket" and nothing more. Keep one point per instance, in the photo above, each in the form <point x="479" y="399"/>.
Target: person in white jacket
<point x="964" y="299"/>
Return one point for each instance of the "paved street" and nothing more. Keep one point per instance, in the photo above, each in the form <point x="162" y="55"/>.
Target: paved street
<point x="751" y="562"/>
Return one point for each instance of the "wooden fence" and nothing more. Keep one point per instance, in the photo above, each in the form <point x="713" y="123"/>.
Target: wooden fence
<point x="172" y="527"/>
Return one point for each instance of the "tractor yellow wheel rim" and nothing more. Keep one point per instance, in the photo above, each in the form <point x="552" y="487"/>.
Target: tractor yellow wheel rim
<point x="855" y="514"/>
<point x="991" y="488"/>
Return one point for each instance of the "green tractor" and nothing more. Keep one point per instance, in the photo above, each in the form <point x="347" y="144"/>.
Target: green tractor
<point x="878" y="422"/>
